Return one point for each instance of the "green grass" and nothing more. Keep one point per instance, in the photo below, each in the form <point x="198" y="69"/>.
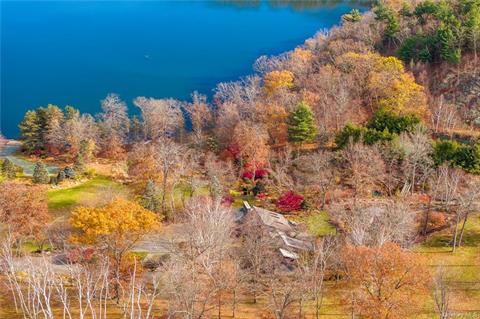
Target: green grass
<point x="32" y="247"/>
<point x="182" y="193"/>
<point x="462" y="266"/>
<point x="318" y="224"/>
<point x="66" y="198"/>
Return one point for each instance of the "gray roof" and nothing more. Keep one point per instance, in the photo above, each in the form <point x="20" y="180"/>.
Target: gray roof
<point x="273" y="219"/>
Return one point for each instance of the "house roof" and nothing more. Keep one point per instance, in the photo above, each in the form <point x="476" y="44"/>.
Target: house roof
<point x="273" y="219"/>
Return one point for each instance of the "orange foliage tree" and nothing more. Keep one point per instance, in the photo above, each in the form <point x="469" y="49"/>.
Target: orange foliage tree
<point x="24" y="209"/>
<point x="384" y="280"/>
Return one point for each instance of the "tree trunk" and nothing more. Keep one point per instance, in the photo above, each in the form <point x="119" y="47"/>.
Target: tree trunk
<point x="463" y="229"/>
<point x="455" y="233"/>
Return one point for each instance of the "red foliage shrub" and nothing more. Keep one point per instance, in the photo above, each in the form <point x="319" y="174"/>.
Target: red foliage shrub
<point x="436" y="220"/>
<point x="290" y="201"/>
<point x="261" y="173"/>
<point x="247" y="175"/>
<point x="234" y="151"/>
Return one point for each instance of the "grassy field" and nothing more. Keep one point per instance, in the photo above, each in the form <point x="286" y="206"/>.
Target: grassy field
<point x="62" y="200"/>
<point x="462" y="267"/>
<point x="318" y="224"/>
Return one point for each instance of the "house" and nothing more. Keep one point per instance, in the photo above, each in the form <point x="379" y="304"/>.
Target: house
<point x="292" y="241"/>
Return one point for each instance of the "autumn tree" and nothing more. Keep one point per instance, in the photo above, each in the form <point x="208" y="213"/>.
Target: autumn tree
<point x="161" y="118"/>
<point x="301" y="125"/>
<point x="168" y="157"/>
<point x="384" y="279"/>
<point x="253" y="142"/>
<point x="201" y="118"/>
<point x="467" y="203"/>
<point x="24" y="209"/>
<point x="313" y="267"/>
<point x="258" y="255"/>
<point x="276" y="80"/>
<point x="417" y="162"/>
<point x="316" y="172"/>
<point x="115" y="228"/>
<point x="51" y="121"/>
<point x="364" y="167"/>
<point x="374" y="224"/>
<point x="195" y="274"/>
<point x="114" y="125"/>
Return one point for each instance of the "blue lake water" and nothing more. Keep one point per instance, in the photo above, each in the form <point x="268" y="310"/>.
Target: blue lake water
<point x="75" y="52"/>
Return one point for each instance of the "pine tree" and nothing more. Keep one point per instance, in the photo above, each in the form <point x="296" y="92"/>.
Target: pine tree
<point x="40" y="174"/>
<point x="82" y="157"/>
<point x="301" y="125"/>
<point x="8" y="169"/>
<point x="353" y="16"/>
<point x="149" y="198"/>
<point x="69" y="172"/>
<point x="30" y="132"/>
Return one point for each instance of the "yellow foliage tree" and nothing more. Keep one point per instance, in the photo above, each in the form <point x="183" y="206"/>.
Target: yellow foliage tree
<point x="300" y="55"/>
<point x="275" y="80"/>
<point x="115" y="228"/>
<point x="386" y="82"/>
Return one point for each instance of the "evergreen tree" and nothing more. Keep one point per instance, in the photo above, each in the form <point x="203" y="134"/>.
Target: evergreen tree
<point x="301" y="125"/>
<point x="40" y="174"/>
<point x="83" y="156"/>
<point x="8" y="169"/>
<point x="30" y="132"/>
<point x="353" y="16"/>
<point x="149" y="198"/>
<point x="447" y="40"/>
<point x="69" y="172"/>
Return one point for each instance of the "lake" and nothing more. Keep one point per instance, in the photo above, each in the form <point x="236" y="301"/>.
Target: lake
<point x="76" y="52"/>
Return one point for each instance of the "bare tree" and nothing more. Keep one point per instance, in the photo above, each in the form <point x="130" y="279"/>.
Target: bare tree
<point x="314" y="266"/>
<point x="442" y="294"/>
<point x="199" y="260"/>
<point x="258" y="255"/>
<point x="167" y="155"/>
<point x="201" y="117"/>
<point x="220" y="174"/>
<point x="280" y="168"/>
<point x="373" y="224"/>
<point x="161" y="117"/>
<point x="114" y="125"/>
<point x="467" y="203"/>
<point x="417" y="164"/>
<point x="364" y="166"/>
<point x="444" y="116"/>
<point x="316" y="170"/>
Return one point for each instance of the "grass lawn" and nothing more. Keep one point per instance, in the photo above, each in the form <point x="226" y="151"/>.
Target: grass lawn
<point x="64" y="199"/>
<point x="462" y="267"/>
<point x="318" y="224"/>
